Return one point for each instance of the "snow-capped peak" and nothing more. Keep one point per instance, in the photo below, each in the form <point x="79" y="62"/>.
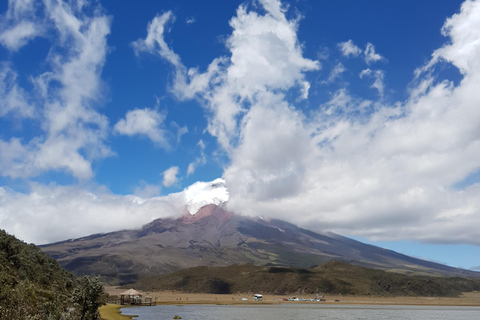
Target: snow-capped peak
<point x="200" y="194"/>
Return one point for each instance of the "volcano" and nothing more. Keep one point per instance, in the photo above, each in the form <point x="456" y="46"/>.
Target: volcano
<point x="216" y="237"/>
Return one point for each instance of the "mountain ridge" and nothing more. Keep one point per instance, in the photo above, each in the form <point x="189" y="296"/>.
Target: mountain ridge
<point x="216" y="237"/>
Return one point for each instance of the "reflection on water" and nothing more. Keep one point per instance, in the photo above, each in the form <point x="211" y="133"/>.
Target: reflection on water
<point x="303" y="311"/>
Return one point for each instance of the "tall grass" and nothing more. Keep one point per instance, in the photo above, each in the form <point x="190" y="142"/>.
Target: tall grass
<point x="112" y="312"/>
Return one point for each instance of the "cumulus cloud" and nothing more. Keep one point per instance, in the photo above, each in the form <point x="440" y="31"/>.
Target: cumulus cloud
<point x="389" y="173"/>
<point x="265" y="55"/>
<point x="272" y="159"/>
<point x="463" y="48"/>
<point x="74" y="132"/>
<point x="384" y="171"/>
<point x="348" y="48"/>
<point x="146" y="122"/>
<point x="170" y="176"/>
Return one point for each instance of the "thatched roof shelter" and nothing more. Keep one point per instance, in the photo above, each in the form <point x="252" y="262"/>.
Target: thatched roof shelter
<point x="131" y="292"/>
<point x="130" y="297"/>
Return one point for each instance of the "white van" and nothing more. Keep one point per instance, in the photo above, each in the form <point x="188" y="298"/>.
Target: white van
<point x="257" y="297"/>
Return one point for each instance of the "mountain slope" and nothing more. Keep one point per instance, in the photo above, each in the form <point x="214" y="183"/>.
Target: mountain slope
<point x="215" y="237"/>
<point x="332" y="278"/>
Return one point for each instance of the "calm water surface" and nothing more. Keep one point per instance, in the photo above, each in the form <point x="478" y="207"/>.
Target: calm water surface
<point x="304" y="311"/>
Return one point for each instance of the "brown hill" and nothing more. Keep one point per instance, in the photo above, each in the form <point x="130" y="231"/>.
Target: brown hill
<point x="215" y="237"/>
<point x="332" y="278"/>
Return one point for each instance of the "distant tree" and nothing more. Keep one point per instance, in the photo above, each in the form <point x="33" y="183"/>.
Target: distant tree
<point x="88" y="295"/>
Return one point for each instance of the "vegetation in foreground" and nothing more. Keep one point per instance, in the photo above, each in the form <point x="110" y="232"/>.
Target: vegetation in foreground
<point x="33" y="286"/>
<point x="332" y="278"/>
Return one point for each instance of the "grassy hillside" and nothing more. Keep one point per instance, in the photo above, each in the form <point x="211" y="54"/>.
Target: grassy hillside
<point x="34" y="286"/>
<point x="331" y="278"/>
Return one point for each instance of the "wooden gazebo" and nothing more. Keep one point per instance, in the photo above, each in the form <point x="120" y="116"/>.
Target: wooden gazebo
<point x="130" y="297"/>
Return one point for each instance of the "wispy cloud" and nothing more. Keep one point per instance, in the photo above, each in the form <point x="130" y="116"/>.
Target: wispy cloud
<point x="13" y="99"/>
<point x="20" y="24"/>
<point x="146" y="191"/>
<point x="378" y="75"/>
<point x="154" y="42"/>
<point x="180" y="131"/>
<point x="370" y="55"/>
<point x="335" y="73"/>
<point x="73" y="130"/>
<point x="19" y="35"/>
<point x="201" y="160"/>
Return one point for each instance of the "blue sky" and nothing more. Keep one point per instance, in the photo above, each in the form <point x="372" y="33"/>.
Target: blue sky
<point x="357" y="117"/>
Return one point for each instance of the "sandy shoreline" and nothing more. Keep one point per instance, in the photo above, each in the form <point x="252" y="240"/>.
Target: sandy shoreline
<point x="177" y="298"/>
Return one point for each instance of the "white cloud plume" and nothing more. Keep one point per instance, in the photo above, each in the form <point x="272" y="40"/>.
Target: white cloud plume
<point x="348" y="48"/>
<point x="146" y="122"/>
<point x="170" y="176"/>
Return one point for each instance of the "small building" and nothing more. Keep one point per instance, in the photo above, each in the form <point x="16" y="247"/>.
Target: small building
<point x="130" y="297"/>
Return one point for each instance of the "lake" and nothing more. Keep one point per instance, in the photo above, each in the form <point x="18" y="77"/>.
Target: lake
<point x="303" y="311"/>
